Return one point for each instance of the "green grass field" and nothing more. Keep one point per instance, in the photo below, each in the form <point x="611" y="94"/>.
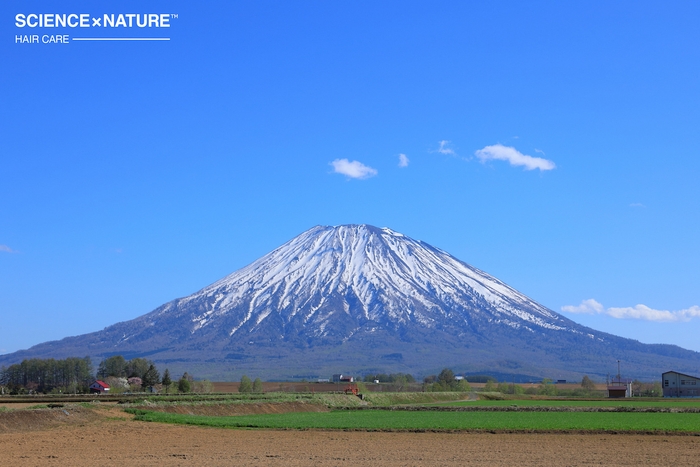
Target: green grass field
<point x="444" y="421"/>
<point x="687" y="403"/>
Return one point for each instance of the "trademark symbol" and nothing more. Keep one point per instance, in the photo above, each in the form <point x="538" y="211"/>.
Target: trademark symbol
<point x="173" y="15"/>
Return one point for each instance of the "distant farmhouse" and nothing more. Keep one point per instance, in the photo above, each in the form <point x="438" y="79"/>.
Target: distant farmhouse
<point x="679" y="385"/>
<point x="340" y="378"/>
<point x="99" y="387"/>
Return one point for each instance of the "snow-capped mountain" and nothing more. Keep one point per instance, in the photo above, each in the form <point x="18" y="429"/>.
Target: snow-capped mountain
<point x="360" y="298"/>
<point x="331" y="282"/>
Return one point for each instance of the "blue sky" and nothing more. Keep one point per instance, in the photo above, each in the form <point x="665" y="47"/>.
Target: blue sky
<point x="550" y="144"/>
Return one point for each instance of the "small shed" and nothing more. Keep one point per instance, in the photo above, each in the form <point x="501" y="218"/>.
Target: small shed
<point x="619" y="388"/>
<point x="99" y="387"/>
<point x="677" y="384"/>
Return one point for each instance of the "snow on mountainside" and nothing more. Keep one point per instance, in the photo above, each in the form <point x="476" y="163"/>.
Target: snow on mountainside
<point x="372" y="275"/>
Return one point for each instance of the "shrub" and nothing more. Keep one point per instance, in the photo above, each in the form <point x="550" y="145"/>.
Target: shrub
<point x="183" y="385"/>
<point x="547" y="388"/>
<point x="246" y="385"/>
<point x="463" y="386"/>
<point x="587" y="383"/>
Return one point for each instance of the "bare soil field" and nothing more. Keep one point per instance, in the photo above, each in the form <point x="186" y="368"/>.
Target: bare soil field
<point x="17" y="405"/>
<point x="79" y="436"/>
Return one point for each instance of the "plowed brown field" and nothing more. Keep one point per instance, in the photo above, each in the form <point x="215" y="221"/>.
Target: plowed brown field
<point x="82" y="437"/>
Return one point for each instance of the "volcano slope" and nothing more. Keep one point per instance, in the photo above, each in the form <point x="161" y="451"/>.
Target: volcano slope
<point x="360" y="299"/>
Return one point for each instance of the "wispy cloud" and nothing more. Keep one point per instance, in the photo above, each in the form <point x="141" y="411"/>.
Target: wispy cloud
<point x="445" y="148"/>
<point x="588" y="307"/>
<point x="514" y="157"/>
<point x="637" y="205"/>
<point x="353" y="169"/>
<point x="403" y="160"/>
<point x="649" y="314"/>
<point x="6" y="249"/>
<point x="641" y="312"/>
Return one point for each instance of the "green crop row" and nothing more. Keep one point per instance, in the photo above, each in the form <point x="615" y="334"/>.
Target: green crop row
<point x="444" y="421"/>
<point x="575" y="403"/>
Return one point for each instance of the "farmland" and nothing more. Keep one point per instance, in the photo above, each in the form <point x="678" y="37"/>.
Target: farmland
<point x="393" y="420"/>
<point x="335" y="429"/>
<point x="651" y="404"/>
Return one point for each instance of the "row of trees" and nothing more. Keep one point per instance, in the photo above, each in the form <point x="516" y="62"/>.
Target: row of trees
<point x="119" y="372"/>
<point x="445" y="381"/>
<point x="117" y="366"/>
<point x="587" y="389"/>
<point x="74" y="375"/>
<point x="400" y="378"/>
<point x="188" y="384"/>
<point x="545" y="388"/>
<point x="71" y="375"/>
<point x="248" y="386"/>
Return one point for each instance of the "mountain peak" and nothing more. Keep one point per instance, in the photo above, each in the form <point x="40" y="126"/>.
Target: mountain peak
<point x="373" y="275"/>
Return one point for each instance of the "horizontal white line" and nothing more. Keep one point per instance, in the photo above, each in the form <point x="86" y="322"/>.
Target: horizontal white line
<point x="121" y="38"/>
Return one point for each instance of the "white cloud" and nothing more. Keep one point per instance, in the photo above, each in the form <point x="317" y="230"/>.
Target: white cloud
<point x="445" y="148"/>
<point x="589" y="307"/>
<point x="649" y="314"/>
<point x="403" y="160"/>
<point x="354" y="169"/>
<point x="6" y="249"/>
<point x="514" y="157"/>
<point x="637" y="205"/>
<point x="641" y="312"/>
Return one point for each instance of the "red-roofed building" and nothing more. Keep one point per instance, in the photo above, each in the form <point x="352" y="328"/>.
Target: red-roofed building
<point x="99" y="387"/>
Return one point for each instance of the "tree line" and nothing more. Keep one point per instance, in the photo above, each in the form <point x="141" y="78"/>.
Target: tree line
<point x="74" y="375"/>
<point x="70" y="375"/>
<point x="117" y="368"/>
<point x="122" y="374"/>
<point x="445" y="381"/>
<point x="247" y="386"/>
<point x="401" y="378"/>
